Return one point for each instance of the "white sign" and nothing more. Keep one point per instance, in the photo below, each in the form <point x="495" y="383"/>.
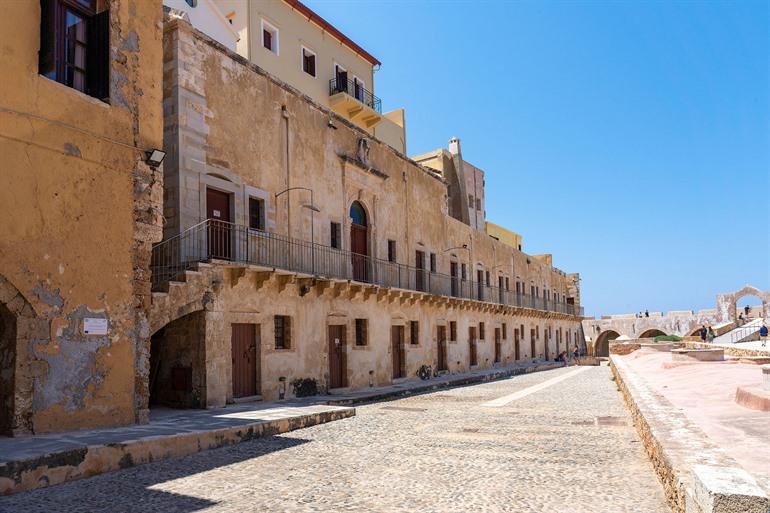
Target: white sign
<point x="217" y="213"/>
<point x="94" y="326"/>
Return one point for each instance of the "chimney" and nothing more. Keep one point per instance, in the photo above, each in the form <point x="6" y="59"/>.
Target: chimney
<point x="454" y="146"/>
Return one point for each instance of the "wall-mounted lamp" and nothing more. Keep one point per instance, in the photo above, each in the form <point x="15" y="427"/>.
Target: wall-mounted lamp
<point x="281" y="387"/>
<point x="155" y="157"/>
<point x="331" y="125"/>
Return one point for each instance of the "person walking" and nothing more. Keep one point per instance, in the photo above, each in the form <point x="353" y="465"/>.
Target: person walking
<point x="575" y="352"/>
<point x="646" y="313"/>
<point x="710" y="336"/>
<point x="763" y="334"/>
<point x="703" y="332"/>
<point x="746" y="309"/>
<point x="740" y="320"/>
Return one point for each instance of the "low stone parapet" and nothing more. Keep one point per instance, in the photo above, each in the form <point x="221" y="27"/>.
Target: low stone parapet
<point x="698" y="355"/>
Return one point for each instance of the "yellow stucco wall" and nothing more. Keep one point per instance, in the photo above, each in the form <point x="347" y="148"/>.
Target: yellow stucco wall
<point x="70" y="182"/>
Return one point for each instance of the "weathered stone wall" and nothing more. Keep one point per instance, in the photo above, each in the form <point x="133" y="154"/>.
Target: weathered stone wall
<point x="180" y="348"/>
<point x="81" y="210"/>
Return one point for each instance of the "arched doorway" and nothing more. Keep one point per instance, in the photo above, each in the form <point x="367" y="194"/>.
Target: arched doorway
<point x="7" y="369"/>
<point x="178" y="363"/>
<point x="750" y="306"/>
<point x="602" y="345"/>
<point x="359" y="242"/>
<point x="652" y="333"/>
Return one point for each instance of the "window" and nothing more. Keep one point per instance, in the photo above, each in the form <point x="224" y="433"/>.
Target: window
<point x="256" y="214"/>
<point x="463" y="272"/>
<point x="471" y="201"/>
<point x="269" y="37"/>
<point x="486" y="276"/>
<point x="522" y="331"/>
<point x="340" y="79"/>
<point x="361" y="332"/>
<point x="453" y="331"/>
<point x="433" y="262"/>
<point x="507" y="284"/>
<point x="478" y="203"/>
<point x="282" y="331"/>
<point x="308" y="62"/>
<point x="391" y="251"/>
<point x="336" y="235"/>
<point x="414" y="329"/>
<point x="537" y="332"/>
<point x="482" y="333"/>
<point x="75" y="45"/>
<point x="505" y="331"/>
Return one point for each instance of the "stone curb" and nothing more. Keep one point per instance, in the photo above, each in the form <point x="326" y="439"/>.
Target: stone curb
<point x="87" y="461"/>
<point x="691" y="468"/>
<point x="430" y="387"/>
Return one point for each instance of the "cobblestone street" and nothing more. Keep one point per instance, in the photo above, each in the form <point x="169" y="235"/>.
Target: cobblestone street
<point x="568" y="447"/>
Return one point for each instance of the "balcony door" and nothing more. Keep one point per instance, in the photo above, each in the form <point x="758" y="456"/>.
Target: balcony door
<point x="419" y="263"/>
<point x="359" y="242"/>
<point x="341" y="79"/>
<point x="220" y="229"/>
<point x="455" y="282"/>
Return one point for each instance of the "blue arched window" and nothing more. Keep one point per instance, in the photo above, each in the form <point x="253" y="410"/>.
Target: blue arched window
<point x="358" y="214"/>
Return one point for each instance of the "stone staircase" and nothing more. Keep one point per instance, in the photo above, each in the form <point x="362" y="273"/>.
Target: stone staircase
<point x="189" y="291"/>
<point x="745" y="333"/>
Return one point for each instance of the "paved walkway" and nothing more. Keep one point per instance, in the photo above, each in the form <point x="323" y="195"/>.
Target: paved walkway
<point x="567" y="447"/>
<point x="705" y="392"/>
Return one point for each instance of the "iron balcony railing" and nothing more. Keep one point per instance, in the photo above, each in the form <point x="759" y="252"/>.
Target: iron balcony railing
<point x="356" y="90"/>
<point x="217" y="240"/>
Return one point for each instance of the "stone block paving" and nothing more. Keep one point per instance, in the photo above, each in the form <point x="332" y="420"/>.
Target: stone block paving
<point x="567" y="448"/>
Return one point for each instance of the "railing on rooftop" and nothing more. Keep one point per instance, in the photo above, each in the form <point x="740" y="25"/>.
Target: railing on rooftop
<point x="356" y="90"/>
<point x="221" y="241"/>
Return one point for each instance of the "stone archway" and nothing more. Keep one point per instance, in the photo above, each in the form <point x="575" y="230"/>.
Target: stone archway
<point x="726" y="303"/>
<point x="652" y="333"/>
<point x="602" y="344"/>
<point x="18" y="325"/>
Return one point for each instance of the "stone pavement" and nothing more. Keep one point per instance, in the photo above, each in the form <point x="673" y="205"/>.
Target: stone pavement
<point x="567" y="447"/>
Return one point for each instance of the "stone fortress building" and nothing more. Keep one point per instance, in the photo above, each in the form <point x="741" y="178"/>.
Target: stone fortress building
<point x="297" y="240"/>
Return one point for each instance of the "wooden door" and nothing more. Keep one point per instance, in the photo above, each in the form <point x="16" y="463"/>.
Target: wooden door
<point x="498" y="343"/>
<point x="359" y="250"/>
<point x="244" y="341"/>
<point x="397" y="350"/>
<point x="516" y="344"/>
<point x="442" y="356"/>
<point x="337" y="357"/>
<point x="454" y="280"/>
<point x="546" y="337"/>
<point x="532" y="342"/>
<point x="419" y="263"/>
<point x="220" y="228"/>
<point x="472" y="345"/>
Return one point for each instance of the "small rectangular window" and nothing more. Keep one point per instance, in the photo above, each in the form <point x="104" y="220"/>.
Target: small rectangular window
<point x="478" y="203"/>
<point x="463" y="271"/>
<point x="486" y="276"/>
<point x="433" y="262"/>
<point x="453" y="331"/>
<point x="414" y="329"/>
<point x="522" y="332"/>
<point x="361" y="332"/>
<point x="282" y="331"/>
<point x="256" y="214"/>
<point x="336" y="232"/>
<point x="269" y="37"/>
<point x="505" y="331"/>
<point x="471" y="201"/>
<point x="391" y="251"/>
<point x="308" y="62"/>
<point x="537" y="332"/>
<point x="507" y="284"/>
<point x="482" y="332"/>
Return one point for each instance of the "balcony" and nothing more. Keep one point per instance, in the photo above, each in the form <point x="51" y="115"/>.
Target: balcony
<point x="214" y="240"/>
<point x="351" y="100"/>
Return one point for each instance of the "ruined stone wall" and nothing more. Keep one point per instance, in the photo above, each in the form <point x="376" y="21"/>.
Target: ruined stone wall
<point x="81" y="210"/>
<point x="178" y="363"/>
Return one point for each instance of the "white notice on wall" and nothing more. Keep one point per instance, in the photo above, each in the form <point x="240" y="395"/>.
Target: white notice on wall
<point x="95" y="326"/>
<point x="217" y="213"/>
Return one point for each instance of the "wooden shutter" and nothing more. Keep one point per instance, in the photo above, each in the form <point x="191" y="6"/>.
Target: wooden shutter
<point x="98" y="56"/>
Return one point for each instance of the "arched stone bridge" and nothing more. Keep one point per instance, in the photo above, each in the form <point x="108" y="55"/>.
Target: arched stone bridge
<point x="599" y="332"/>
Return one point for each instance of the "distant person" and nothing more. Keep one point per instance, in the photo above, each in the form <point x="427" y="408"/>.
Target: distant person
<point x="703" y="332"/>
<point x="575" y="352"/>
<point x="740" y="320"/>
<point x="763" y="334"/>
<point x="746" y="309"/>
<point x="710" y="336"/>
<point x="646" y="313"/>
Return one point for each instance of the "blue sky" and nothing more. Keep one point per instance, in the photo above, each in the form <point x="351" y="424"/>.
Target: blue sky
<point x="629" y="139"/>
